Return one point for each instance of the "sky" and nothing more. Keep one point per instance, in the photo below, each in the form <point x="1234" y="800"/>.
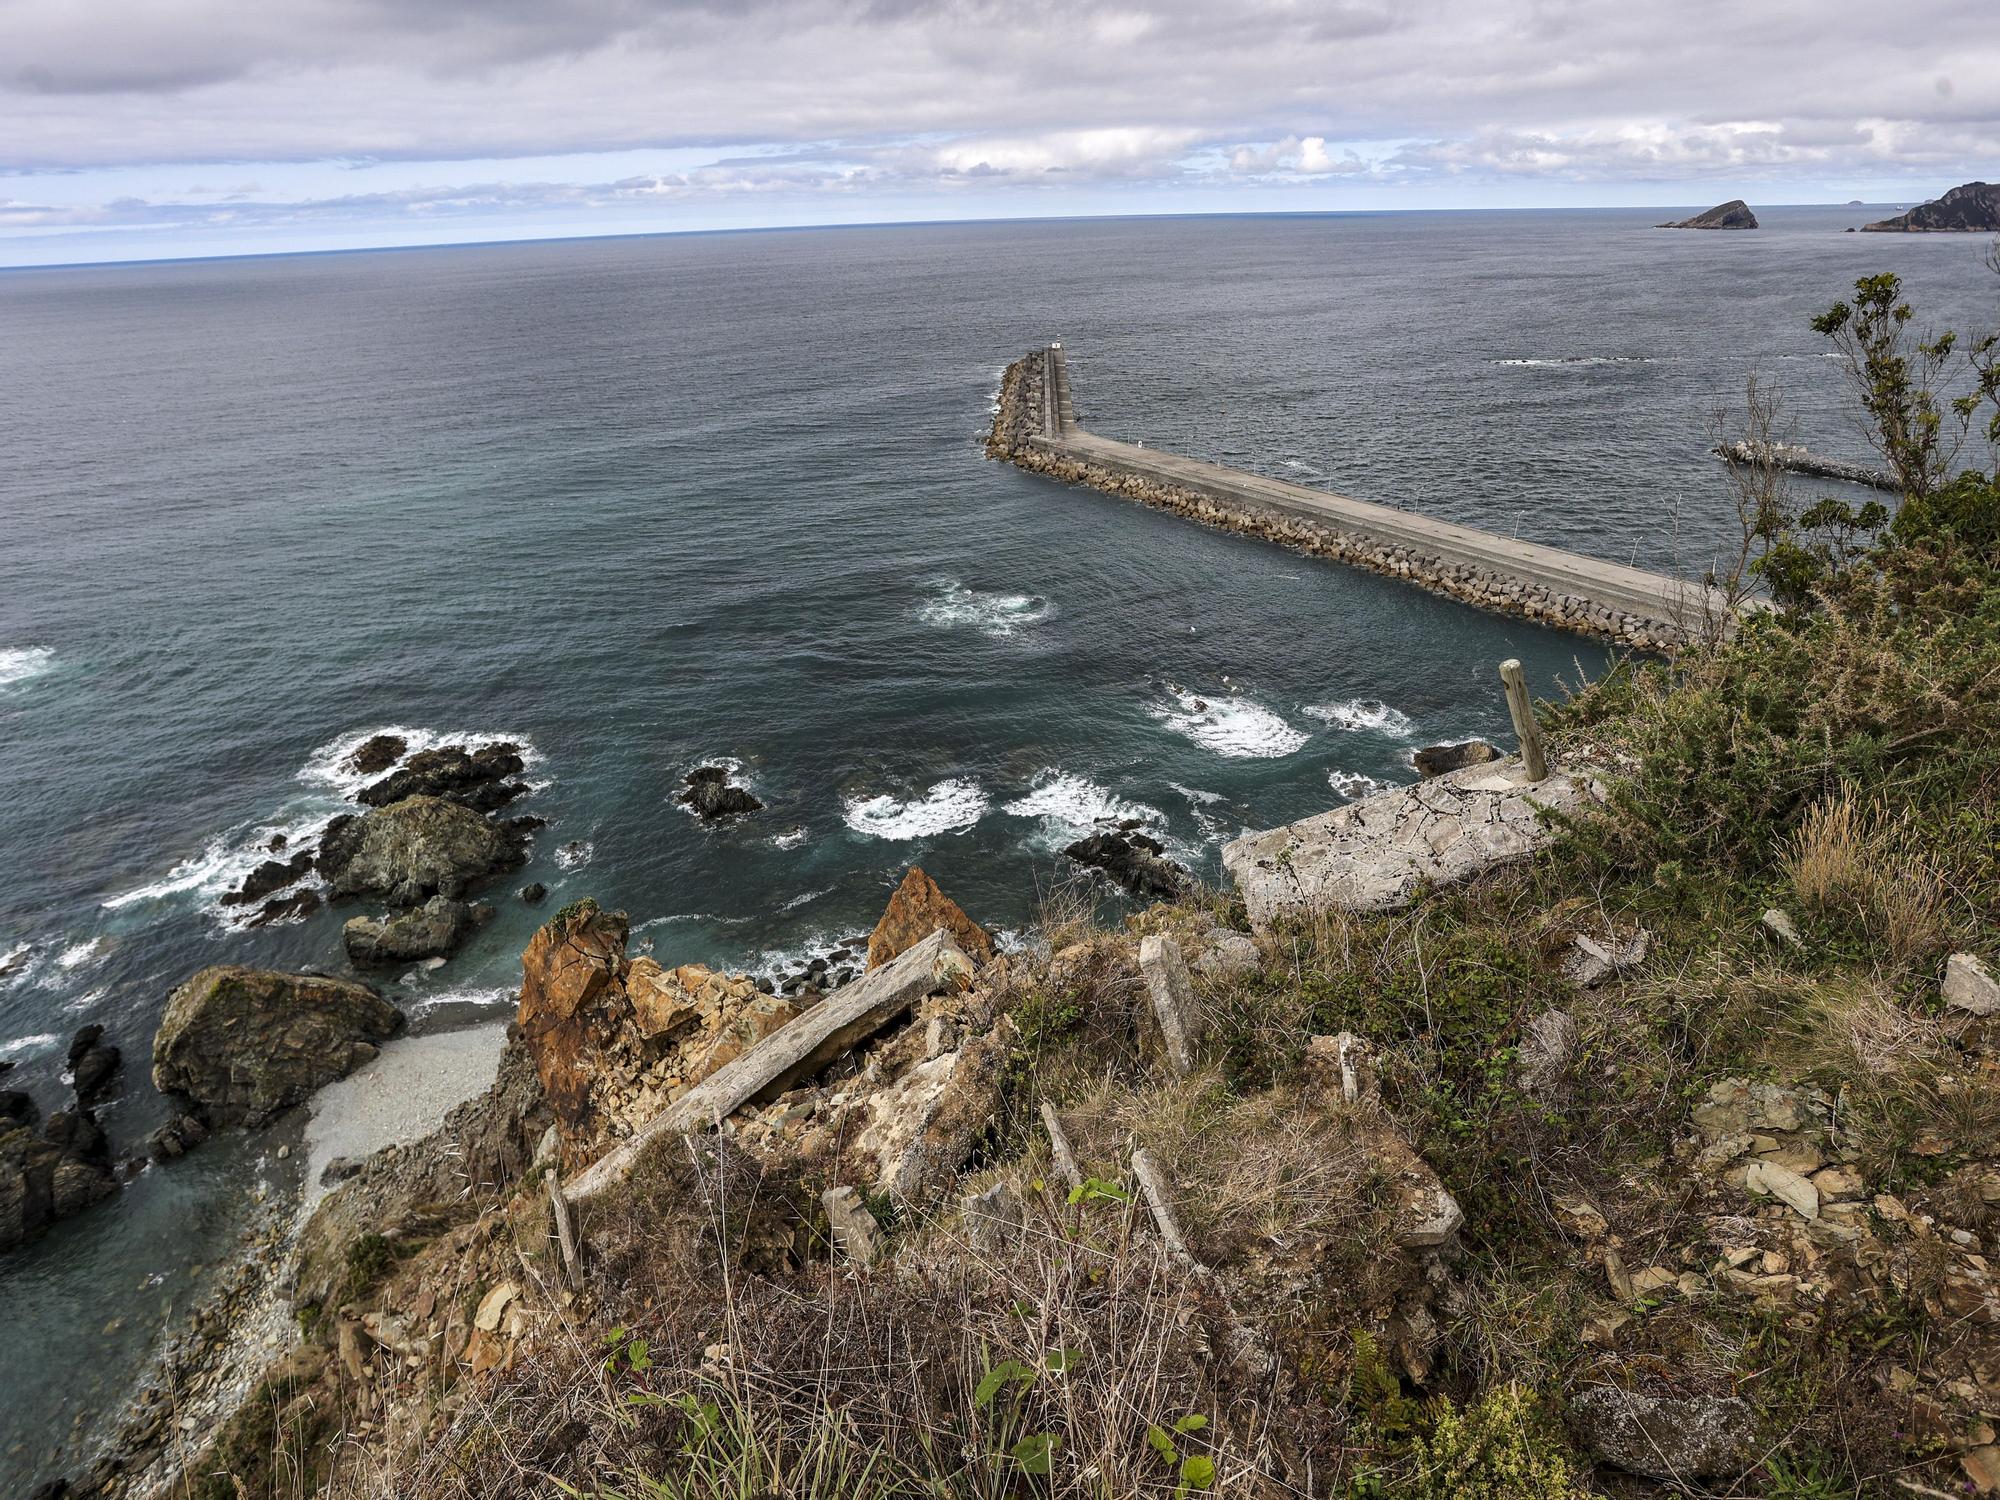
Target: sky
<point x="135" y="129"/>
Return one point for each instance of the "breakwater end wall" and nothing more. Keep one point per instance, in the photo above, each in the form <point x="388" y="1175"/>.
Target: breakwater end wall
<point x="1036" y="428"/>
<point x="1796" y="460"/>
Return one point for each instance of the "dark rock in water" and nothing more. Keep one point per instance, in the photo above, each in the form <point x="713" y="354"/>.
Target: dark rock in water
<point x="434" y="930"/>
<point x="1135" y="861"/>
<point x="377" y="754"/>
<point x="42" y="1180"/>
<point x="278" y="842"/>
<point x="534" y="893"/>
<point x="282" y="908"/>
<point x="176" y="1138"/>
<point x="1436" y="760"/>
<point x="1671" y="1438"/>
<point x="451" y="771"/>
<point x="17" y="1108"/>
<point x="528" y="824"/>
<point x="92" y="1061"/>
<point x="710" y="796"/>
<point x="1735" y="214"/>
<point x="414" y="849"/>
<point x="271" y="875"/>
<point x="1970" y="208"/>
<point x="242" y="1044"/>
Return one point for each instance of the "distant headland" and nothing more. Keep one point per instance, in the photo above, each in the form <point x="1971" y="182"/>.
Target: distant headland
<point x="1970" y="208"/>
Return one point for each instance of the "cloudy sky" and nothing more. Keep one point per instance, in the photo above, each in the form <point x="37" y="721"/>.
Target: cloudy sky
<point x="132" y="128"/>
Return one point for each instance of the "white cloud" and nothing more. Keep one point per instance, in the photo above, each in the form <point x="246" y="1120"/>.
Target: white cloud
<point x="931" y="101"/>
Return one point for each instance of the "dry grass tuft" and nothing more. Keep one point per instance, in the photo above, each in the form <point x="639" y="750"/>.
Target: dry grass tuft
<point x="1864" y="866"/>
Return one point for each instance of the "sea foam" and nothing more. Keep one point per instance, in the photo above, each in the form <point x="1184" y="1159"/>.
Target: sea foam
<point x="1353" y="785"/>
<point x="1234" y="726"/>
<point x="949" y="807"/>
<point x="19" y="663"/>
<point x="995" y="615"/>
<point x="1362" y="713"/>
<point x="1069" y="805"/>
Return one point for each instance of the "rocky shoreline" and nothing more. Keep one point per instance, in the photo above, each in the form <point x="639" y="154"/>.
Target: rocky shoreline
<point x="1017" y="437"/>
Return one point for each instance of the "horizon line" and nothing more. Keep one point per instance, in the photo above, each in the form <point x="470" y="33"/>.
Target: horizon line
<point x="1055" y="218"/>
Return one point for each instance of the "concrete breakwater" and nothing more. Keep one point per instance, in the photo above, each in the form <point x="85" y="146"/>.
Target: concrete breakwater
<point x="1036" y="429"/>
<point x="1797" y="460"/>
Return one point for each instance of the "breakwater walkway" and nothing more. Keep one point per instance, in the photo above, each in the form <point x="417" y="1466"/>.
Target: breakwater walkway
<point x="1036" y="428"/>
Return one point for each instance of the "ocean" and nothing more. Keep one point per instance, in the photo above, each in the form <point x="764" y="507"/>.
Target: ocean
<point x="645" y="504"/>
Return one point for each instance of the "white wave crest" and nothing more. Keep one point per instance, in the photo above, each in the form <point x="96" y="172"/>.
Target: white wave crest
<point x="805" y="899"/>
<point x="995" y="615"/>
<point x="486" y="997"/>
<point x="791" y="838"/>
<point x="1363" y="713"/>
<point x="15" y="963"/>
<point x="1580" y="361"/>
<point x="27" y="1046"/>
<point x="1353" y="785"/>
<point x="19" y="663"/>
<point x="949" y="807"/>
<point x="1069" y="805"/>
<point x="1234" y="726"/>
<point x="575" y="854"/>
<point x="78" y="954"/>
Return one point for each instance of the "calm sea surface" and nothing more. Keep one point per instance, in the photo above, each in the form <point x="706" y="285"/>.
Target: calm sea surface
<point x="643" y="504"/>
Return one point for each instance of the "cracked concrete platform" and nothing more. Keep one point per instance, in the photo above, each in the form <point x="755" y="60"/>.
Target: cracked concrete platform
<point x="1371" y="855"/>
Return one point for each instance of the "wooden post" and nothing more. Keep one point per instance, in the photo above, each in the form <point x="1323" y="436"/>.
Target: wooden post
<point x="1523" y="710"/>
<point x="565" y="1234"/>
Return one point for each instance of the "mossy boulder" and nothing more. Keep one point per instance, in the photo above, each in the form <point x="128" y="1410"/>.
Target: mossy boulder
<point x="242" y="1044"/>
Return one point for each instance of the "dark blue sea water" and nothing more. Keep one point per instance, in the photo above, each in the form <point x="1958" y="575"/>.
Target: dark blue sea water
<point x="641" y="504"/>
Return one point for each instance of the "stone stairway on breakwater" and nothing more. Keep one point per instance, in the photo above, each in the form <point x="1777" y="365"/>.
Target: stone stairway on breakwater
<point x="1037" y="429"/>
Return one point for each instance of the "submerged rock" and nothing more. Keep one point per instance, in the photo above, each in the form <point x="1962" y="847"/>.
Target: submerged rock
<point x="1435" y="760"/>
<point x="414" y="849"/>
<point x="377" y="753"/>
<point x="475" y="779"/>
<point x="242" y="1044"/>
<point x="436" y="929"/>
<point x="917" y="910"/>
<point x="709" y="795"/>
<point x="272" y="875"/>
<point x="296" y="906"/>
<point x="1136" y="862"/>
<point x="1735" y="214"/>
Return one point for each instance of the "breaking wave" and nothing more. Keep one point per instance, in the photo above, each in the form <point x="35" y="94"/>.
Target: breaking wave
<point x="1234" y="726"/>
<point x="949" y="807"/>
<point x="19" y="663"/>
<point x="1069" y="805"/>
<point x="994" y="615"/>
<point x="1363" y="713"/>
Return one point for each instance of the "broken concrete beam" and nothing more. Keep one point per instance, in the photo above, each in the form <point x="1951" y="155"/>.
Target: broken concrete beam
<point x="855" y="1232"/>
<point x="1176" y="1016"/>
<point x="1589" y="962"/>
<point x="1153" y="1188"/>
<point x="798" y="1049"/>
<point x="1059" y="1149"/>
<point x="994" y="1219"/>
<point x="1373" y="854"/>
